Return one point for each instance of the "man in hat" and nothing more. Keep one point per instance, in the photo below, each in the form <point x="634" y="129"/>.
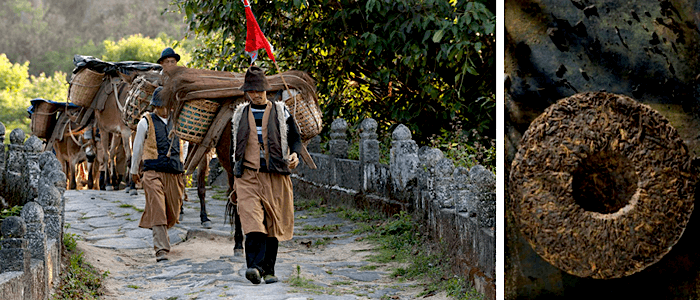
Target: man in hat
<point x="266" y="144"/>
<point x="168" y="58"/>
<point x="162" y="174"/>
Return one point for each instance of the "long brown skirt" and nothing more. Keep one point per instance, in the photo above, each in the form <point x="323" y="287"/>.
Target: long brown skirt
<point x="163" y="199"/>
<point x="266" y="204"/>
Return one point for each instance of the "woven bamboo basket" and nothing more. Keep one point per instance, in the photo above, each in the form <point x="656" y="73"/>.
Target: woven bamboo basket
<point x="195" y="118"/>
<point x="43" y="119"/>
<point x="84" y="86"/>
<point x="307" y="115"/>
<point x="137" y="100"/>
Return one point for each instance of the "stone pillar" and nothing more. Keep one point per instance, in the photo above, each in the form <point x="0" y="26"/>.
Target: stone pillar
<point x="338" y="145"/>
<point x="50" y="199"/>
<point x="33" y="146"/>
<point x="16" y="177"/>
<point x="33" y="215"/>
<point x="369" y="146"/>
<point x="2" y="146"/>
<point x="314" y="145"/>
<point x="429" y="158"/>
<point x="444" y="183"/>
<point x="485" y="185"/>
<point x="404" y="160"/>
<point x="14" y="253"/>
<point x="465" y="195"/>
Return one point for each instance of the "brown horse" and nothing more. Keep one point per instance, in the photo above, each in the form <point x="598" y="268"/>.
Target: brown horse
<point x="71" y="151"/>
<point x="223" y="152"/>
<point x="110" y="123"/>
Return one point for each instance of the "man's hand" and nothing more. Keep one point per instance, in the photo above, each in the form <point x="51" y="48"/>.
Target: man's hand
<point x="135" y="178"/>
<point x="293" y="160"/>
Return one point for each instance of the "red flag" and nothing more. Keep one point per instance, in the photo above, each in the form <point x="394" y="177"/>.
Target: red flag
<point x="255" y="38"/>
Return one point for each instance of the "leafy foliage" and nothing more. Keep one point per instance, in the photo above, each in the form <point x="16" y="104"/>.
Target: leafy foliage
<point x="465" y="148"/>
<point x="139" y="48"/>
<point x="417" y="62"/>
<point x="48" y="33"/>
<point x="79" y="279"/>
<point x="12" y="211"/>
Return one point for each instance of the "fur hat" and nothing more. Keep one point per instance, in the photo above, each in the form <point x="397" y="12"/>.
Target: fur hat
<point x="255" y="80"/>
<point x="168" y="52"/>
<point x="156" y="101"/>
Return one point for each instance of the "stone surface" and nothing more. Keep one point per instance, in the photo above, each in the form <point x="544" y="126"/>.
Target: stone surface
<point x="17" y="136"/>
<point x="32" y="212"/>
<point x="13" y="227"/>
<point x="33" y="144"/>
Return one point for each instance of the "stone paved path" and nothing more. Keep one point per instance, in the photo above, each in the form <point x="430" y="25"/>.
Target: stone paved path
<point x="202" y="265"/>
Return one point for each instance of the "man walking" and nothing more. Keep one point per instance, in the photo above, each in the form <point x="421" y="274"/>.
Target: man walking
<point x="162" y="174"/>
<point x="266" y="142"/>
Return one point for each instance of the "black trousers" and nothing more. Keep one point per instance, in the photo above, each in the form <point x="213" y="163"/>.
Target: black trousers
<point x="261" y="252"/>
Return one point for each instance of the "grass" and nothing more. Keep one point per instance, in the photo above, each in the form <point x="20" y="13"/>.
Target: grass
<point x="400" y="240"/>
<point x="133" y="286"/>
<point x="307" y="285"/>
<point x="124" y="205"/>
<point x="79" y="279"/>
<point x="331" y="228"/>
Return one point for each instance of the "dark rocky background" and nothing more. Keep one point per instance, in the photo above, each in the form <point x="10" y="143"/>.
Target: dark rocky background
<point x="647" y="50"/>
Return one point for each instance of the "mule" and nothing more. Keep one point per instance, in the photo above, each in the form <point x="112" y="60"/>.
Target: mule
<point x="70" y="151"/>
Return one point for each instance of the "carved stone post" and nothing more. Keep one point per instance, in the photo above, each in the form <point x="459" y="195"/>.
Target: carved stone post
<point x="16" y="177"/>
<point x="32" y="148"/>
<point x="2" y="146"/>
<point x="444" y="183"/>
<point x="404" y="160"/>
<point x="485" y="184"/>
<point x="369" y="146"/>
<point x="338" y="145"/>
<point x="33" y="215"/>
<point x="14" y="253"/>
<point x="52" y="185"/>
<point x="314" y="145"/>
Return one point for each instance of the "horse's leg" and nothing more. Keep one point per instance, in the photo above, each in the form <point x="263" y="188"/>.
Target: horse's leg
<point x="223" y="151"/>
<point x="131" y="186"/>
<point x="119" y="161"/>
<point x="126" y="143"/>
<point x="202" y="191"/>
<point x="107" y="159"/>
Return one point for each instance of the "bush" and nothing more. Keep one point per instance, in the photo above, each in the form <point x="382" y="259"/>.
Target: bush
<point x="466" y="148"/>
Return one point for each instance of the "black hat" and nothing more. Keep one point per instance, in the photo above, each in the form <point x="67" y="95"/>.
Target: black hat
<point x="168" y="52"/>
<point x="156" y="101"/>
<point x="255" y="80"/>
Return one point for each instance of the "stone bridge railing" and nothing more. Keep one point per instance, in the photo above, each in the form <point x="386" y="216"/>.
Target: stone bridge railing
<point x="457" y="205"/>
<point x="30" y="249"/>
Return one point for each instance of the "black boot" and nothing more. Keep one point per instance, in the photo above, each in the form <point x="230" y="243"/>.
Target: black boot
<point x="255" y="243"/>
<point x="102" y="180"/>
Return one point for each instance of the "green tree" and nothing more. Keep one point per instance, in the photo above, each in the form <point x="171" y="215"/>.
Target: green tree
<point x="14" y="78"/>
<point x="139" y="48"/>
<point x="17" y="88"/>
<point x="51" y="88"/>
<point x="424" y="63"/>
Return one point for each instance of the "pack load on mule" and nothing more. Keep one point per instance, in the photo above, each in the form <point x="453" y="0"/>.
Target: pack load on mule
<point x="46" y="122"/>
<point x="113" y="115"/>
<point x="90" y="73"/>
<point x="204" y="101"/>
<point x="43" y="114"/>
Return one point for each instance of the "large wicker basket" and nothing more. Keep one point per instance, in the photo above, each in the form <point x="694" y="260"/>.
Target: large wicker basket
<point x="43" y="119"/>
<point x="195" y="118"/>
<point x="84" y="86"/>
<point x="137" y="100"/>
<point x="307" y="115"/>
